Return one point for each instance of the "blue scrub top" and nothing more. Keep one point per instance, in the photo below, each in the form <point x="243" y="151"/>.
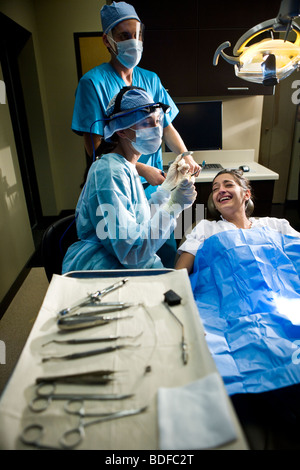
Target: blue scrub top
<point x="98" y="86"/>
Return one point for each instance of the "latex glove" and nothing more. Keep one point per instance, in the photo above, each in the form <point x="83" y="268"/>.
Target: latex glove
<point x="182" y="197"/>
<point x="176" y="173"/>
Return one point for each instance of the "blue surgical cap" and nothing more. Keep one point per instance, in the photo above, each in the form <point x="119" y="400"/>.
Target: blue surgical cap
<point x="131" y="111"/>
<point x="113" y="14"/>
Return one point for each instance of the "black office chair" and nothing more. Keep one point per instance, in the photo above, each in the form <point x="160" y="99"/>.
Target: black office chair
<point x="56" y="240"/>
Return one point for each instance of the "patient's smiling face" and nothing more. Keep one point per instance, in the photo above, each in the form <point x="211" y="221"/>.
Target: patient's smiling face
<point x="228" y="195"/>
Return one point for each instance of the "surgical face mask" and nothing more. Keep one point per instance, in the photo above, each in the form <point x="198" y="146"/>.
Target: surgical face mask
<point x="147" y="140"/>
<point x="129" y="52"/>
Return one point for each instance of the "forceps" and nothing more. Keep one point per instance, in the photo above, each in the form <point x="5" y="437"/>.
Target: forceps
<point x="94" y="298"/>
<point x="98" y="377"/>
<point x="73" y="437"/>
<point x="46" y="393"/>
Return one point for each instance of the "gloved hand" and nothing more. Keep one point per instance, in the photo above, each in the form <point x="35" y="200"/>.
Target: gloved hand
<point x="176" y="173"/>
<point x="182" y="197"/>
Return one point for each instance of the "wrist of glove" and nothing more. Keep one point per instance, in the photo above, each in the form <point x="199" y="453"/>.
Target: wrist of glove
<point x="181" y="198"/>
<point x="173" y="209"/>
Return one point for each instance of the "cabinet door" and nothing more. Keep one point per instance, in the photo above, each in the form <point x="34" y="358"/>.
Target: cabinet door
<point x="233" y="14"/>
<point x="221" y="80"/>
<point x="167" y="14"/>
<point x="173" y="56"/>
<point x="181" y="39"/>
<point x="262" y="196"/>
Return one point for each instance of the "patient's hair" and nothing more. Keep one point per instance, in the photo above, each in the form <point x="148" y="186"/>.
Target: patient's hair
<point x="238" y="178"/>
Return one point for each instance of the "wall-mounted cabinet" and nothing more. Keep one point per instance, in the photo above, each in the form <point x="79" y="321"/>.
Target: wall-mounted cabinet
<point x="181" y="39"/>
<point x="167" y="14"/>
<point x="234" y="14"/>
<point x="168" y="54"/>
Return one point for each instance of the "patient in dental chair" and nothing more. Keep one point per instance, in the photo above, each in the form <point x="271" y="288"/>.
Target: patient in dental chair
<point x="245" y="276"/>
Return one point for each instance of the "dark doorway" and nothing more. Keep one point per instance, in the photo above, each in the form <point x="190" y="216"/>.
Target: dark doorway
<point x="13" y="38"/>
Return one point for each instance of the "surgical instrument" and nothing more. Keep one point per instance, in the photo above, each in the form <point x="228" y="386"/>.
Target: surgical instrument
<point x="195" y="173"/>
<point x="46" y="396"/>
<point x="76" y="407"/>
<point x="92" y="298"/>
<point x="94" y="352"/>
<point x="76" y="435"/>
<point x="103" y="307"/>
<point x="171" y="298"/>
<point x="91" y="340"/>
<point x="98" y="377"/>
<point x="76" y="322"/>
<point x="36" y="431"/>
<point x="33" y="433"/>
<point x="202" y="166"/>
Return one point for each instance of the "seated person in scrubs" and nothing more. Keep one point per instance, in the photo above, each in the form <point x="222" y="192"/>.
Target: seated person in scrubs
<point x="117" y="226"/>
<point x="245" y="277"/>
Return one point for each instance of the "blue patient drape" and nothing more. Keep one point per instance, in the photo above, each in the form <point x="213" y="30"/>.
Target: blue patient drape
<point x="246" y="285"/>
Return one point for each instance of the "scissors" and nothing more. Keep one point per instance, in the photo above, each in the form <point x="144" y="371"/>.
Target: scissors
<point x="32" y="436"/>
<point x="73" y="437"/>
<point x="46" y="393"/>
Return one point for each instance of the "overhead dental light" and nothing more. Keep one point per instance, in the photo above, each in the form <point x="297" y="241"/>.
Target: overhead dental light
<point x="270" y="60"/>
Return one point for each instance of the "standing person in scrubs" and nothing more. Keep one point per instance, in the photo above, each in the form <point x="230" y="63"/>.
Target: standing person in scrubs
<point x="123" y="36"/>
<point x="117" y="227"/>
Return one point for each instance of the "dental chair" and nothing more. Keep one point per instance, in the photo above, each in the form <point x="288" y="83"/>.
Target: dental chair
<point x="56" y="240"/>
<point x="212" y="214"/>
